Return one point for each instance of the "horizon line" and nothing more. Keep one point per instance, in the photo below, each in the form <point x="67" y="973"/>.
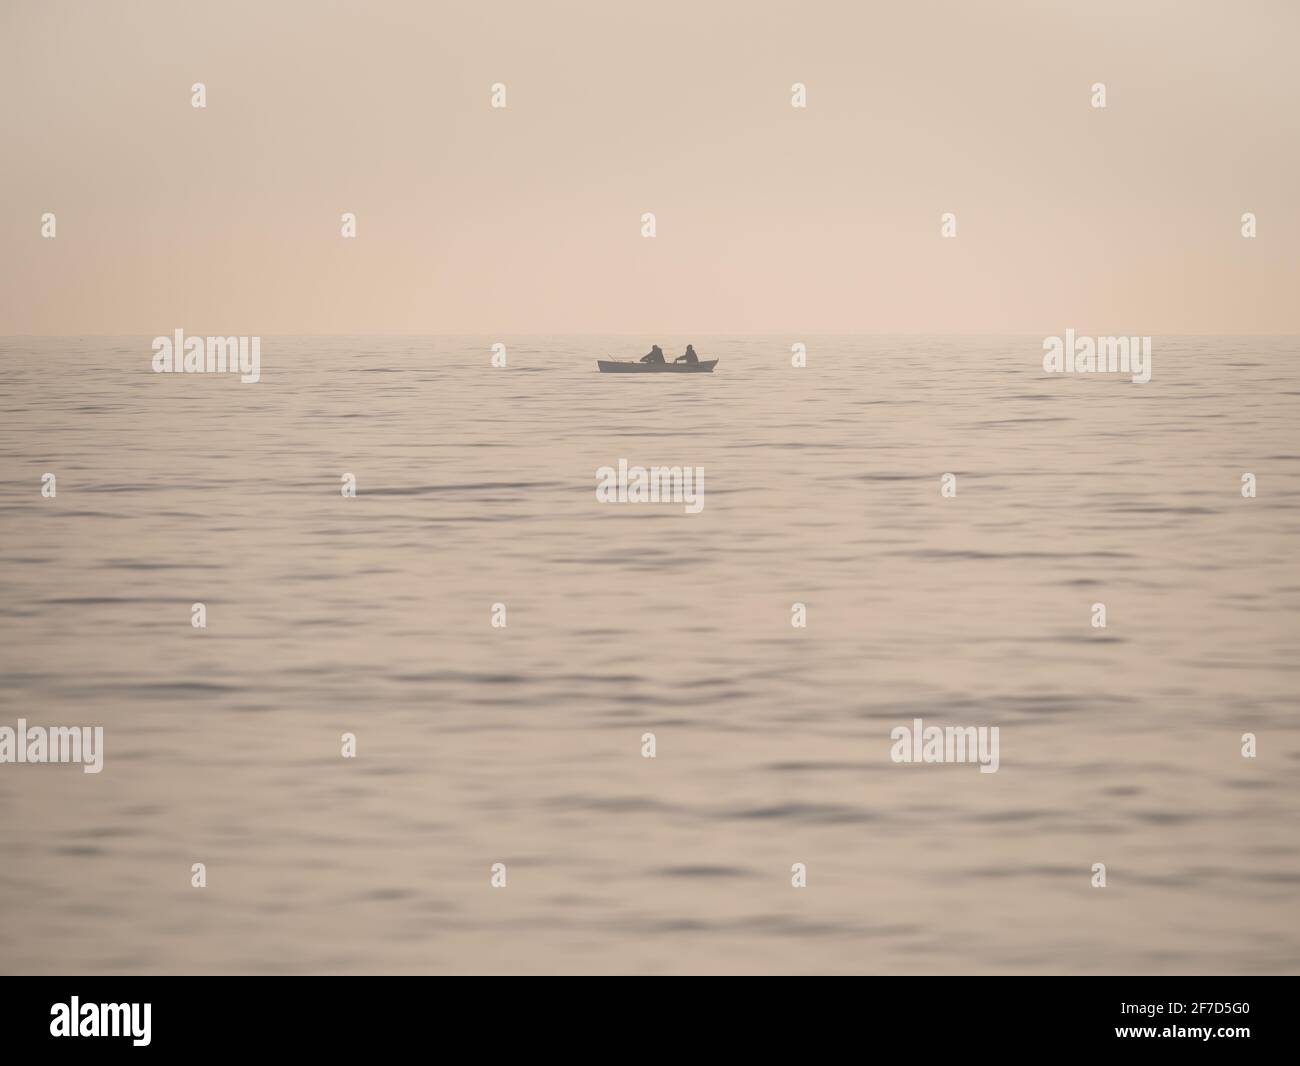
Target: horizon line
<point x="642" y="335"/>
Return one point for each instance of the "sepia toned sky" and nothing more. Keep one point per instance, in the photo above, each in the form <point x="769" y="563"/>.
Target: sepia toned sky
<point x="770" y="219"/>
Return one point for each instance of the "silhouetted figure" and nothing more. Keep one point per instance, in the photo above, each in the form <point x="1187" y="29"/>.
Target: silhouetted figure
<point x="688" y="356"/>
<point x="655" y="355"/>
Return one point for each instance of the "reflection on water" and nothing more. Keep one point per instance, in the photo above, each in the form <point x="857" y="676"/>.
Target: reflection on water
<point x="522" y="744"/>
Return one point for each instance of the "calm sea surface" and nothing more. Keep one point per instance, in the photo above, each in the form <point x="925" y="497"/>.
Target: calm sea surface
<point x="522" y="745"/>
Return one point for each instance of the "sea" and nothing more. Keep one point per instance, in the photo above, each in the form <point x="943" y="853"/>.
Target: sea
<point x="623" y="738"/>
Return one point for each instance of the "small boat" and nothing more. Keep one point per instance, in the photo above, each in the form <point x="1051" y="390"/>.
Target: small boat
<point x="611" y="366"/>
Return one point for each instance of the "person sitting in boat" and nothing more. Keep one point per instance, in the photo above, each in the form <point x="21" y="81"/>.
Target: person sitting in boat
<point x="654" y="355"/>
<point x="688" y="356"/>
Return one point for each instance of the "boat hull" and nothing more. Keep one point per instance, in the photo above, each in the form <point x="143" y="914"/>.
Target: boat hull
<point x="610" y="366"/>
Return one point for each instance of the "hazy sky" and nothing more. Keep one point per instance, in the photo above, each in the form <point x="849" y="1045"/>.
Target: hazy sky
<point x="770" y="219"/>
